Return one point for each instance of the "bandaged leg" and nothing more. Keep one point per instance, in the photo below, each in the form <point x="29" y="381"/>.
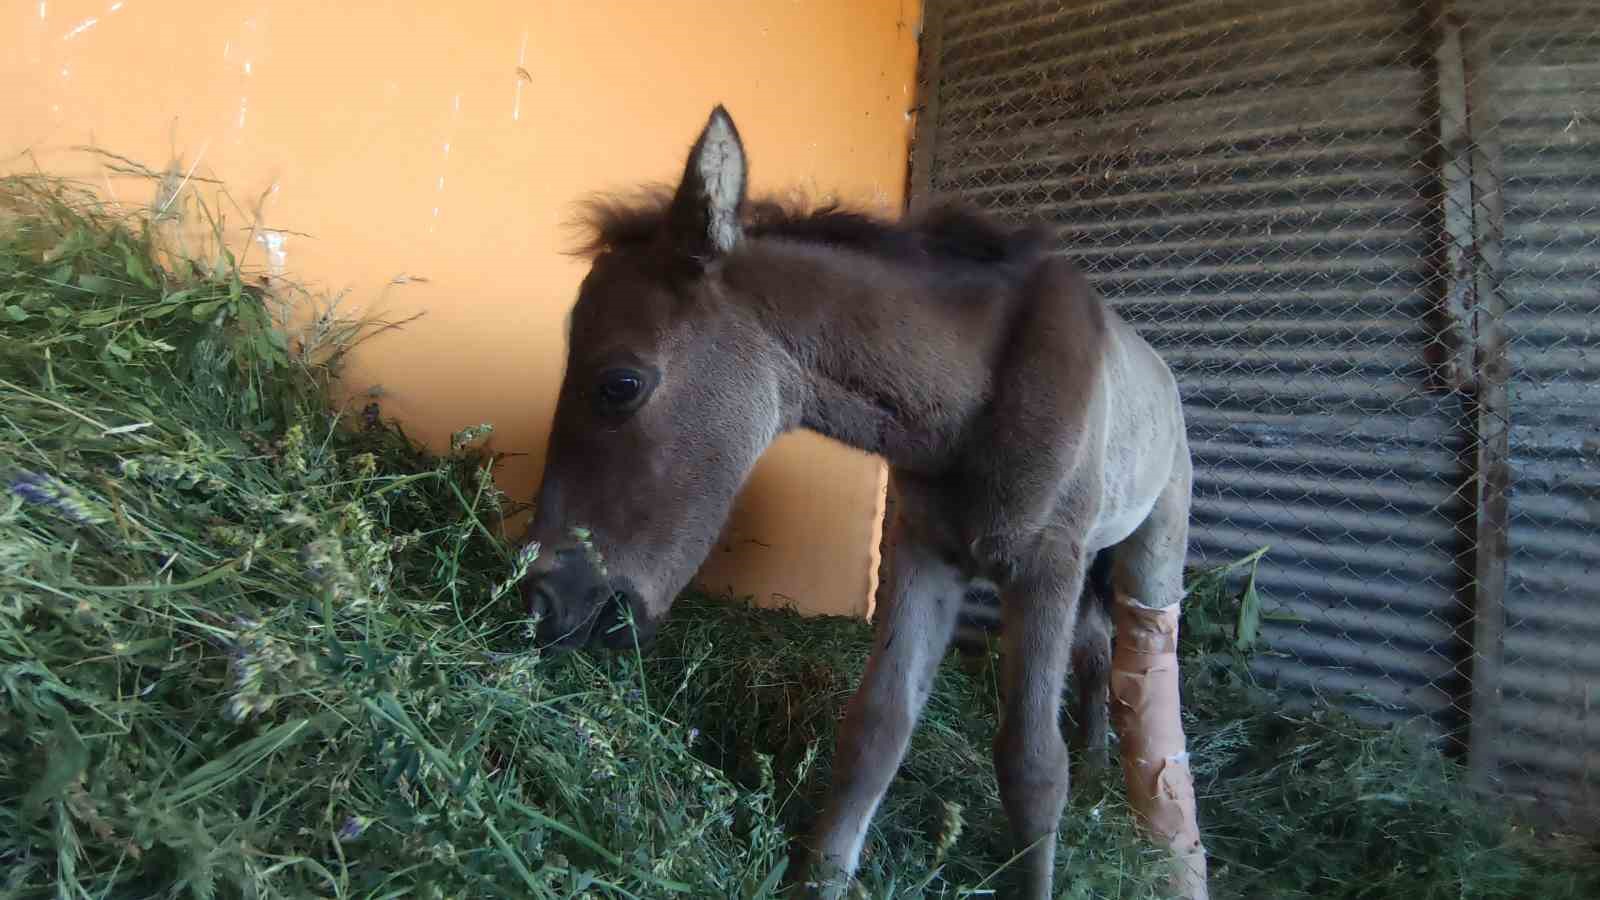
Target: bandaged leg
<point x="1145" y="712"/>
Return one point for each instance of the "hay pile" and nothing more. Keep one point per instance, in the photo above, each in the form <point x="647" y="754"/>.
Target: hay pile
<point x="251" y="647"/>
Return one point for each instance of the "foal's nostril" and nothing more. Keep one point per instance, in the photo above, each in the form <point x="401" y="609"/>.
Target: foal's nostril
<point x="576" y="605"/>
<point x="615" y="613"/>
<point x="610" y="611"/>
<point x="541" y="602"/>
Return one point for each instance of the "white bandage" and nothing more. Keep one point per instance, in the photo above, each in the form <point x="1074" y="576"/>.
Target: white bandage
<point x="1145" y="712"/>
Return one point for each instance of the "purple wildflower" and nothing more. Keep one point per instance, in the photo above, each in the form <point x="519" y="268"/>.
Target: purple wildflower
<point x="33" y="488"/>
<point x="42" y="490"/>
<point x="353" y="827"/>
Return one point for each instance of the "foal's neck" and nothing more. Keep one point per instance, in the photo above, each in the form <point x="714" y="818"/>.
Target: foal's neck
<point x="895" y="357"/>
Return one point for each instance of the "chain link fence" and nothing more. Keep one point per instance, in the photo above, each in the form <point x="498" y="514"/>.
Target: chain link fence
<point x="1366" y="236"/>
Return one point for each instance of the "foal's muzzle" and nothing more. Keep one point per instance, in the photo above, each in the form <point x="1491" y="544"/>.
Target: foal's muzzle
<point x="577" y="606"/>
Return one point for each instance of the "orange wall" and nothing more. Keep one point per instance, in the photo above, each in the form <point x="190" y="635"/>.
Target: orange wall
<point x="450" y="142"/>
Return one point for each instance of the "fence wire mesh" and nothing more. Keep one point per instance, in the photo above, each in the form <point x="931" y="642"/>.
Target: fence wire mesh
<point x="1366" y="235"/>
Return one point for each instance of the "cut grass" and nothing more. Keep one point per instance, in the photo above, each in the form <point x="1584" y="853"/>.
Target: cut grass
<point x="249" y="647"/>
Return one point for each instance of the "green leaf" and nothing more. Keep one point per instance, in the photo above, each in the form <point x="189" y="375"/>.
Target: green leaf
<point x="119" y="351"/>
<point x="62" y="274"/>
<point x="220" y="771"/>
<point x="249" y="316"/>
<point x="67" y="759"/>
<point x="202" y="311"/>
<point x="1287" y="618"/>
<point x="406" y="762"/>
<point x="769" y="885"/>
<point x="15" y="313"/>
<point x="136" y="267"/>
<point x="97" y="317"/>
<point x="96" y="284"/>
<point x="71" y="244"/>
<point x="262" y="348"/>
<point x="1249" y="614"/>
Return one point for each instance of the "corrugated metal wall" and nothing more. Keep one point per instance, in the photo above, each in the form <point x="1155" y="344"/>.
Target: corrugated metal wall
<point x="1543" y="72"/>
<point x="1263" y="190"/>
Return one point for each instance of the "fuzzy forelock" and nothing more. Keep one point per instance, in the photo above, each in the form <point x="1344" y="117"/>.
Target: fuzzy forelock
<point x="609" y="221"/>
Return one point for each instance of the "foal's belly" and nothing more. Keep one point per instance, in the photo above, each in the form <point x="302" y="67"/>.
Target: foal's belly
<point x="1142" y="431"/>
<point x="1136" y="471"/>
<point x="1114" y="526"/>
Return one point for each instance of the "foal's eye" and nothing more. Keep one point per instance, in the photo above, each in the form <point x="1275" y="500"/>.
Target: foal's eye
<point x="620" y="391"/>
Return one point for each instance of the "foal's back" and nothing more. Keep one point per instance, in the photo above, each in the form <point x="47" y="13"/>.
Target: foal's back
<point x="1082" y="412"/>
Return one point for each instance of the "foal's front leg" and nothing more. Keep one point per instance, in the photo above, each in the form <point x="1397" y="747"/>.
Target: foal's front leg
<point x="911" y="640"/>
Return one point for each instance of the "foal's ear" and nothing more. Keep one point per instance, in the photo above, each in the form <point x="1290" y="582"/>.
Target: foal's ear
<point x="704" y="218"/>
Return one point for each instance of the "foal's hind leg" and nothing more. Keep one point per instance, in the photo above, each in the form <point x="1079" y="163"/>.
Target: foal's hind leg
<point x="1030" y="758"/>
<point x="1147" y="581"/>
<point x="1091" y="668"/>
<point x="910" y="642"/>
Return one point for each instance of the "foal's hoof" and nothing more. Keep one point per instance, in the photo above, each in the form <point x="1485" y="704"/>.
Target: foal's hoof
<point x="818" y="881"/>
<point x="811" y="890"/>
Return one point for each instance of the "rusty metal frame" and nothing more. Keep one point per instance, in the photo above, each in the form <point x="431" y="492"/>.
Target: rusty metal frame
<point x="1474" y="308"/>
<point x="1492" y="413"/>
<point x="924" y="137"/>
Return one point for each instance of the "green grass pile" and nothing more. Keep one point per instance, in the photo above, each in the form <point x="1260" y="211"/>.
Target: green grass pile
<point x="249" y="649"/>
<point x="252" y="647"/>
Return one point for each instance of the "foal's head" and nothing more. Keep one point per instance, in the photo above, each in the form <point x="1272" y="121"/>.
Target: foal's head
<point x="672" y="391"/>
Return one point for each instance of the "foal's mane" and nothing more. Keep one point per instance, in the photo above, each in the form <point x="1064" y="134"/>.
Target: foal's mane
<point x="947" y="232"/>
